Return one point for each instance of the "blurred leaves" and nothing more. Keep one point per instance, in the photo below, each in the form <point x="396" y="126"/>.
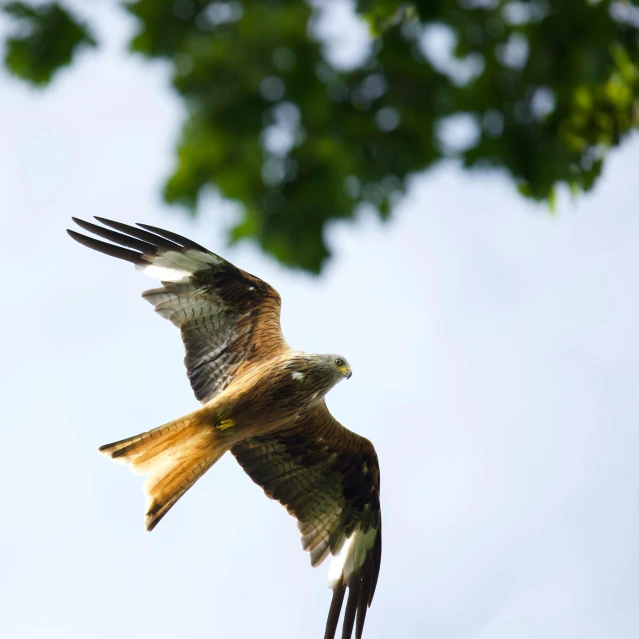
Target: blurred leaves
<point x="539" y="89"/>
<point x="45" y="39"/>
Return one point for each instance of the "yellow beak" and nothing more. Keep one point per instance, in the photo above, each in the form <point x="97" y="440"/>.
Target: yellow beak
<point x="346" y="371"/>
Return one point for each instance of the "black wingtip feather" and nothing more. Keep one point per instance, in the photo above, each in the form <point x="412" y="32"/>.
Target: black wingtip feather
<point x="184" y="241"/>
<point x="351" y="607"/>
<point x="118" y="238"/>
<point x="364" y="594"/>
<point x="334" y="612"/>
<point x="107" y="249"/>
<point x="145" y="236"/>
<point x="376" y="558"/>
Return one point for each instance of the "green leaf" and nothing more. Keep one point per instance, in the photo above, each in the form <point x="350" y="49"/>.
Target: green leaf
<point x="45" y="39"/>
<point x="552" y="201"/>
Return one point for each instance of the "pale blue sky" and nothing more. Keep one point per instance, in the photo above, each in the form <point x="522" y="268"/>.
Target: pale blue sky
<point x="496" y="368"/>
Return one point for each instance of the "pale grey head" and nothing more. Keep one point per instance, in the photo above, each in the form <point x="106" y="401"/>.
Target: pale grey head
<point x="338" y="365"/>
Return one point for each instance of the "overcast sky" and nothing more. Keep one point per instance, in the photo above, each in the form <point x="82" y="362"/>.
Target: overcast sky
<point x="496" y="368"/>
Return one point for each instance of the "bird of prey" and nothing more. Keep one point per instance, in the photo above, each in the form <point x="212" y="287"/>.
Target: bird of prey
<point x="261" y="400"/>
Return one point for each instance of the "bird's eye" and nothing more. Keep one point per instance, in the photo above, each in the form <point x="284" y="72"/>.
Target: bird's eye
<point x="339" y="362"/>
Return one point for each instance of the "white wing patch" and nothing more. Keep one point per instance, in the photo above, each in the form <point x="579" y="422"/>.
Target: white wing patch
<point x="298" y="376"/>
<point x="164" y="272"/>
<point x="351" y="556"/>
<point x="176" y="267"/>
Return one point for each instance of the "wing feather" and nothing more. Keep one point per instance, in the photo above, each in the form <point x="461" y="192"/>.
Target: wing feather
<point x="328" y="478"/>
<point x="228" y="319"/>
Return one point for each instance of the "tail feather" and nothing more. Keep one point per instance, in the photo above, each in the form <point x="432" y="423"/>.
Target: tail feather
<point x="174" y="456"/>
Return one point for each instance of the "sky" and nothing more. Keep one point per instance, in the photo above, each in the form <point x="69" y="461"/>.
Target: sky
<point x="495" y="359"/>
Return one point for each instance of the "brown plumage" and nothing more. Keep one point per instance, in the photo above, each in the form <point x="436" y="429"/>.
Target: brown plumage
<point x="261" y="400"/>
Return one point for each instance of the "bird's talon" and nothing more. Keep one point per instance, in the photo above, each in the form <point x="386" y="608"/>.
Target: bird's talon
<point x="224" y="424"/>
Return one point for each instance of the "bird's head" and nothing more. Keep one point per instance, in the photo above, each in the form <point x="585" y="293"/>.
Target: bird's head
<point x="339" y="366"/>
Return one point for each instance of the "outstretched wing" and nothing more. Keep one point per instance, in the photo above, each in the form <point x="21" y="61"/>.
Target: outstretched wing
<point x="328" y="478"/>
<point x="228" y="318"/>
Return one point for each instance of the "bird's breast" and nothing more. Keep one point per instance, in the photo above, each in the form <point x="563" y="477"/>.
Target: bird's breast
<point x="280" y="392"/>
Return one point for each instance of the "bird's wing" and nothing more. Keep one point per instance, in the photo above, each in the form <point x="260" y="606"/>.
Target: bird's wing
<point x="328" y="478"/>
<point x="229" y="319"/>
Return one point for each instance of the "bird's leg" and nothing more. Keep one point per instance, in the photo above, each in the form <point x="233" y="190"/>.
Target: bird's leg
<point x="223" y="420"/>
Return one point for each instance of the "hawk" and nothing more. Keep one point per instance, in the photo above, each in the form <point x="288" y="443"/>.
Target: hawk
<point x="261" y="400"/>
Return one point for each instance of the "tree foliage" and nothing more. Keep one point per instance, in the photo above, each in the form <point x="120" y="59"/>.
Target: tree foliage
<point x="542" y="89"/>
<point x="46" y="38"/>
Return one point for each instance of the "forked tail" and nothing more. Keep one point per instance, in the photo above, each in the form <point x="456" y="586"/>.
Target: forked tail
<point x="174" y="456"/>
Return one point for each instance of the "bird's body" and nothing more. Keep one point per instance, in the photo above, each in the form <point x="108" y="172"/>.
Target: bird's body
<point x="261" y="400"/>
<point x="272" y="395"/>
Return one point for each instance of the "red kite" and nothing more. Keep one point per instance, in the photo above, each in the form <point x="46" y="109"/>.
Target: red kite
<point x="263" y="401"/>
